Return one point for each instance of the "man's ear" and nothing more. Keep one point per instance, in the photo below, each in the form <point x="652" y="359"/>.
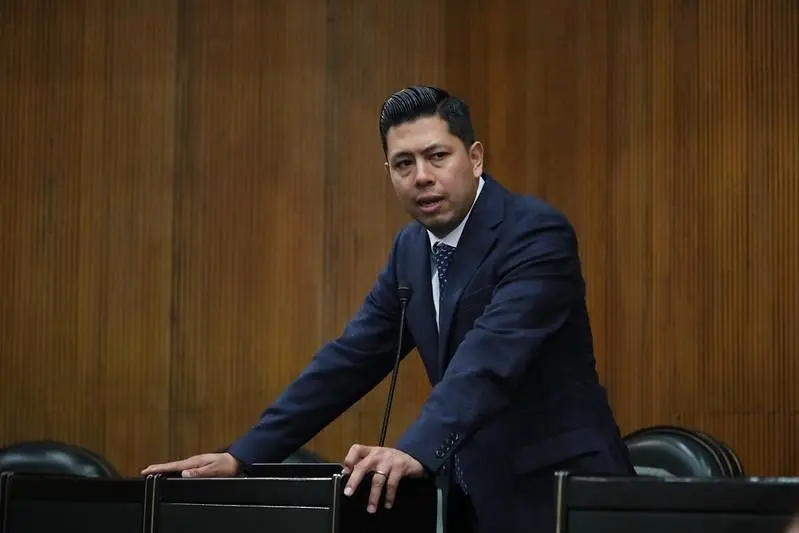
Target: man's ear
<point x="476" y="154"/>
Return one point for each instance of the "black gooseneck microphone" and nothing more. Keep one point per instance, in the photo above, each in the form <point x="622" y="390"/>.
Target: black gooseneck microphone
<point x="404" y="292"/>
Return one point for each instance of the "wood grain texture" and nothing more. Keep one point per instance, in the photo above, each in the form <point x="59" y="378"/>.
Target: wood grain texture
<point x="87" y="101"/>
<point x="193" y="200"/>
<point x="249" y="213"/>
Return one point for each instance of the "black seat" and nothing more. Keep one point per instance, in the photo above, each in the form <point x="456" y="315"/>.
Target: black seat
<point x="672" y="451"/>
<point x="52" y="457"/>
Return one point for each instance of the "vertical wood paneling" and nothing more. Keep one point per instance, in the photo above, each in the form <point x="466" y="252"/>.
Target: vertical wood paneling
<point x="249" y="213"/>
<point x="86" y="169"/>
<point x="668" y="32"/>
<point x="193" y="200"/>
<point x="697" y="305"/>
<point x="137" y="138"/>
<point x="629" y="240"/>
<point x="743" y="389"/>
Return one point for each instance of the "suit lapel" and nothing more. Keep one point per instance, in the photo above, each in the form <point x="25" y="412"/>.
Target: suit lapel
<point x="476" y="241"/>
<point x="421" y="312"/>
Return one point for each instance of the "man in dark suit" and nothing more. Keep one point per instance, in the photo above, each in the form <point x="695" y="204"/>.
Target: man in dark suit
<point x="499" y="318"/>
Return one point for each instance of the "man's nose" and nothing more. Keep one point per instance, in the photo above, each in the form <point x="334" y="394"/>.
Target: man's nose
<point x="423" y="174"/>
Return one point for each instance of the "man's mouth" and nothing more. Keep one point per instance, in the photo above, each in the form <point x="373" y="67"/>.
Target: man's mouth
<point x="429" y="205"/>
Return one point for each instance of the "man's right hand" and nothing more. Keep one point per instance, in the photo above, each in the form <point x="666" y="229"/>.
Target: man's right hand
<point x="203" y="465"/>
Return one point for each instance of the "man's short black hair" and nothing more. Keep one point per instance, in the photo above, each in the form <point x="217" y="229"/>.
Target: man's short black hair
<point x="420" y="101"/>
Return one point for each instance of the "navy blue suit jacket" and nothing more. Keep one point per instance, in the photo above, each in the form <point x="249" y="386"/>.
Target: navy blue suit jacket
<point x="515" y="390"/>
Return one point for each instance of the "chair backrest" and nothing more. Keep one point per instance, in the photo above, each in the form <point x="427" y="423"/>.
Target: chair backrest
<point x="664" y="451"/>
<point x="735" y="463"/>
<point x="52" y="457"/>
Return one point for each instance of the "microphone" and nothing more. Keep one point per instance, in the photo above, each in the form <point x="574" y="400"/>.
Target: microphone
<point x="404" y="291"/>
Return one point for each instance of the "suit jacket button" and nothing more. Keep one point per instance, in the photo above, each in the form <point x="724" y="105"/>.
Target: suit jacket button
<point x="439" y="453"/>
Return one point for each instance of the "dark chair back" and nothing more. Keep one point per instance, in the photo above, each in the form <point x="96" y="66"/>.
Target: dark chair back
<point x="736" y="466"/>
<point x="52" y="457"/>
<point x="672" y="451"/>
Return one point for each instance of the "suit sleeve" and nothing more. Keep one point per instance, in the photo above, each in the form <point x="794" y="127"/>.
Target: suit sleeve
<point x="539" y="280"/>
<point x="339" y="374"/>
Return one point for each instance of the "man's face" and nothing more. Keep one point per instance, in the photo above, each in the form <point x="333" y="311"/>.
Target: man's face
<point x="434" y="175"/>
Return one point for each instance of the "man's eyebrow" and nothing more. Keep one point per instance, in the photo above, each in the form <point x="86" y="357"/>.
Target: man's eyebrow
<point x="430" y="148"/>
<point x="435" y="146"/>
<point x="399" y="155"/>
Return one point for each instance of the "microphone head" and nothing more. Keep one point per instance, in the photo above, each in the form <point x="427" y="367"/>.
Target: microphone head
<point x="404" y="291"/>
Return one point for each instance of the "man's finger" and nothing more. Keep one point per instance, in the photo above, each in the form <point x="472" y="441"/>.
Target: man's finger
<point x="378" y="482"/>
<point x="358" y="472"/>
<point x="209" y="470"/>
<point x="174" y="466"/>
<point x="392" y="483"/>
<point x="356" y="454"/>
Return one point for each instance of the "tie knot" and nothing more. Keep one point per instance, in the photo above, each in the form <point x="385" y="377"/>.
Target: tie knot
<point x="442" y="253"/>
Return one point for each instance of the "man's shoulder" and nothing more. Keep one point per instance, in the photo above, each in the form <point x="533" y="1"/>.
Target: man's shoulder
<point x="526" y="209"/>
<point x="411" y="229"/>
<point x="407" y="236"/>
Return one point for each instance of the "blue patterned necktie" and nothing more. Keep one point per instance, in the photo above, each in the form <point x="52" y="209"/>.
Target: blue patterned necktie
<point x="442" y="255"/>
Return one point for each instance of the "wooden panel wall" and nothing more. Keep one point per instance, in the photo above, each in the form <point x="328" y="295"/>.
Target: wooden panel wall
<point x="192" y="200"/>
<point x="249" y="200"/>
<point x="87" y="120"/>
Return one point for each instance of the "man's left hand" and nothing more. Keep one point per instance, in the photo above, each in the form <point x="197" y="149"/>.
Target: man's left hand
<point x="389" y="467"/>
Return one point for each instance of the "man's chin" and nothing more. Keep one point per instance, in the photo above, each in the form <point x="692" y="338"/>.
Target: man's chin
<point x="438" y="226"/>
